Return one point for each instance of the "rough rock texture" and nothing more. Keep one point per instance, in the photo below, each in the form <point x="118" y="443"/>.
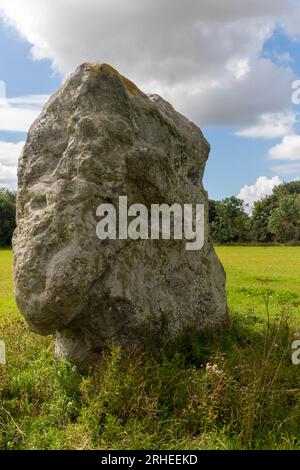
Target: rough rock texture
<point x="97" y="138"/>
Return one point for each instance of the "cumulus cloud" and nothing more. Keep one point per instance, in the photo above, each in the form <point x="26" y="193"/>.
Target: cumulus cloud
<point x="263" y="187"/>
<point x="271" y="126"/>
<point x="204" y="56"/>
<point x="16" y="119"/>
<point x="8" y="175"/>
<point x="31" y="100"/>
<point x="288" y="169"/>
<point x="2" y="90"/>
<point x="17" y="114"/>
<point x="9" y="154"/>
<point x="288" y="149"/>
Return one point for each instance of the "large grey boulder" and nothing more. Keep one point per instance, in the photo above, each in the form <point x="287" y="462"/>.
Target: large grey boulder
<point x="99" y="137"/>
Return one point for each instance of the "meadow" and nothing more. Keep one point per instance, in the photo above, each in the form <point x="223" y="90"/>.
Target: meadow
<point x="232" y="389"/>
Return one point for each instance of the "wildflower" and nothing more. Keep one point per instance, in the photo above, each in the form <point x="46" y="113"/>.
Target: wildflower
<point x="214" y="369"/>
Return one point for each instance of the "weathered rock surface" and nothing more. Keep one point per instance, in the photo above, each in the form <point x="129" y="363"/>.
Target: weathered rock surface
<point x="97" y="138"/>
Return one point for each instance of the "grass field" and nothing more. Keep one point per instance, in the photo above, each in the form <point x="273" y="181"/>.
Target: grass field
<point x="251" y="271"/>
<point x="235" y="389"/>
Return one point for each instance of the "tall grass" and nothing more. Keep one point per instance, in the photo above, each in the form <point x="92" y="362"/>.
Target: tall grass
<point x="234" y="389"/>
<point x="223" y="390"/>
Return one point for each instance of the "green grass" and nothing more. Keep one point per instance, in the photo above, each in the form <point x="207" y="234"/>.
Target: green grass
<point x="235" y="389"/>
<point x="7" y="303"/>
<point x="253" y="270"/>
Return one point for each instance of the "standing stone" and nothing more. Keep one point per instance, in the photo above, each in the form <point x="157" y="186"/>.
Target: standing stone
<point x="99" y="137"/>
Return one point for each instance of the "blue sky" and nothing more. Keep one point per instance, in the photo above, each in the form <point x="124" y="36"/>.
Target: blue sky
<point x="252" y="98"/>
<point x="22" y="75"/>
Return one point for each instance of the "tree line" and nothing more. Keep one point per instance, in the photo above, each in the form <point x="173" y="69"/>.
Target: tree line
<point x="274" y="219"/>
<point x="7" y="216"/>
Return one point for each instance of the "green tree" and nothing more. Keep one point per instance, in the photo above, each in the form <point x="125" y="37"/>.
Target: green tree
<point x="229" y="221"/>
<point x="213" y="210"/>
<point x="284" y="221"/>
<point x="7" y="216"/>
<point x="260" y="219"/>
<point x="260" y="229"/>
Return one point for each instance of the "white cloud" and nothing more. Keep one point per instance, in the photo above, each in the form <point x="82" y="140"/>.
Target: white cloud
<point x="9" y="154"/>
<point x="283" y="57"/>
<point x="288" y="149"/>
<point x="271" y="126"/>
<point x="31" y="100"/>
<point x="239" y="68"/>
<point x="8" y="175"/>
<point x="288" y="169"/>
<point x="204" y="56"/>
<point x="17" y="114"/>
<point x="264" y="90"/>
<point x="2" y="90"/>
<point x="263" y="187"/>
<point x="16" y="119"/>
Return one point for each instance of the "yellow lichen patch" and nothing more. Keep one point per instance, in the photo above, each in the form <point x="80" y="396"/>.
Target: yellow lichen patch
<point x="109" y="69"/>
<point x="169" y="106"/>
<point x="149" y="103"/>
<point x="191" y="129"/>
<point x="96" y="69"/>
<point x="131" y="88"/>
